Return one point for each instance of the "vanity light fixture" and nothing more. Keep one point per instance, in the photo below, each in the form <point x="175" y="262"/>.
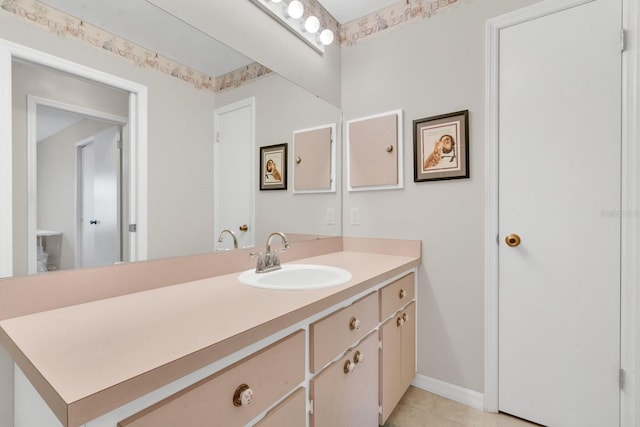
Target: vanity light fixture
<point x="326" y="37"/>
<point x="312" y="24"/>
<point x="295" y="10"/>
<point x="291" y="16"/>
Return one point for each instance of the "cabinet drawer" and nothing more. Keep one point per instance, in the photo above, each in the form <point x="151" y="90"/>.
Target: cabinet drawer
<point x="292" y="412"/>
<point x="347" y="398"/>
<point x="396" y="294"/>
<point x="270" y="373"/>
<point x="338" y="331"/>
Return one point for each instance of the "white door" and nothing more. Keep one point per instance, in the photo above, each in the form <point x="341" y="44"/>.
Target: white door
<point x="100" y="200"/>
<point x="559" y="191"/>
<point x="234" y="169"/>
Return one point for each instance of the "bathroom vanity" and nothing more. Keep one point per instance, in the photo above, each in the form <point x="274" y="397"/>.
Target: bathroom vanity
<point x="213" y="349"/>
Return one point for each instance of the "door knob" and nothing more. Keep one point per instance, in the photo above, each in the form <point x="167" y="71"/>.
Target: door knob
<point x="244" y="227"/>
<point x="512" y="240"/>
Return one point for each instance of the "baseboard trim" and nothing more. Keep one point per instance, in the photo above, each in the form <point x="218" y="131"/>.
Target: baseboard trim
<point x="450" y="391"/>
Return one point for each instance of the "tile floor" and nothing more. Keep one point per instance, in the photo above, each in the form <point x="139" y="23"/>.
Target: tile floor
<point x="419" y="408"/>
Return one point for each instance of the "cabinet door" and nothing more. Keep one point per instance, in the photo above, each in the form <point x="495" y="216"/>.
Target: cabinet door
<point x="348" y="399"/>
<point x="390" y="362"/>
<point x="292" y="412"/>
<point x="397" y="358"/>
<point x="408" y="347"/>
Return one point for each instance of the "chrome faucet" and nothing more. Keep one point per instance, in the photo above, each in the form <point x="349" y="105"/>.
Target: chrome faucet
<point x="235" y="238"/>
<point x="269" y="260"/>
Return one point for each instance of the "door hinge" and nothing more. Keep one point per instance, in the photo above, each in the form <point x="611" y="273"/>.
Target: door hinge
<point x="380" y="344"/>
<point x="621" y="378"/>
<point x="217" y="136"/>
<point x="119" y="144"/>
<point x="623" y="40"/>
<point x="380" y="410"/>
<point x="311" y="406"/>
<point x="133" y="228"/>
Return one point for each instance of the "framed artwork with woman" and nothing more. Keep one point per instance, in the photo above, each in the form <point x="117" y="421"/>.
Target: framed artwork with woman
<point x="441" y="147"/>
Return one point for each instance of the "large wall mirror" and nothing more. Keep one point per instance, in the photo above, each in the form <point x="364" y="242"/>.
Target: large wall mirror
<point x="74" y="147"/>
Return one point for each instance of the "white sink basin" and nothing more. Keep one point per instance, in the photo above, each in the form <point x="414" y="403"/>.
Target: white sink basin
<point x="297" y="277"/>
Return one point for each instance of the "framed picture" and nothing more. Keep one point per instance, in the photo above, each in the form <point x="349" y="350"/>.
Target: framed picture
<point x="441" y="147"/>
<point x="273" y="167"/>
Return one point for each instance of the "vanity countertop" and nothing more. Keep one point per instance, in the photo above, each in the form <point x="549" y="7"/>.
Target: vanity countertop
<point x="89" y="358"/>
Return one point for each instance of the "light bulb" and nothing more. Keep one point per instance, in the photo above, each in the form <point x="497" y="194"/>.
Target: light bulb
<point x="326" y="37"/>
<point x="295" y="9"/>
<point x="312" y="24"/>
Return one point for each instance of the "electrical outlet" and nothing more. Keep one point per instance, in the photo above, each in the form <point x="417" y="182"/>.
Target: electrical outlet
<point x="355" y="216"/>
<point x="331" y="216"/>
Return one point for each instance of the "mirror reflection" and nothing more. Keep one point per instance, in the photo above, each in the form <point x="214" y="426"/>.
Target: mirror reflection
<point x="71" y="206"/>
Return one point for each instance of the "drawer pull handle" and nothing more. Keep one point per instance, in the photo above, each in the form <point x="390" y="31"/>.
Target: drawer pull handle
<point x="242" y="396"/>
<point x="399" y="321"/>
<point x="402" y="293"/>
<point x="358" y="357"/>
<point x="354" y="324"/>
<point x="348" y="366"/>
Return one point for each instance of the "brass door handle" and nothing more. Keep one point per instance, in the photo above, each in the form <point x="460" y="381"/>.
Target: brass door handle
<point x="244" y="227"/>
<point x="512" y="240"/>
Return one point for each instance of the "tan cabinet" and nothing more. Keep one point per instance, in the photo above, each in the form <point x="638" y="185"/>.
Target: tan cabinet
<point x="396" y="295"/>
<point x="314" y="160"/>
<point x="397" y="358"/>
<point x="345" y="394"/>
<point x="235" y="395"/>
<point x="292" y="412"/>
<point x="332" y="335"/>
<point x="374" y="151"/>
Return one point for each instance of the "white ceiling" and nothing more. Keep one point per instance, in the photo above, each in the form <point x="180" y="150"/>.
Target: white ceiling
<point x="52" y="120"/>
<point x="348" y="10"/>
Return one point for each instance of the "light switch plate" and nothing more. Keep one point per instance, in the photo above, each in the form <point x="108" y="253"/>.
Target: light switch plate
<point x="331" y="216"/>
<point x="355" y="216"/>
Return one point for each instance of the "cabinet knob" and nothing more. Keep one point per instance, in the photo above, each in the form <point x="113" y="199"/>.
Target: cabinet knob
<point x="354" y="324"/>
<point x="242" y="396"/>
<point x="399" y="321"/>
<point x="298" y="159"/>
<point x="402" y="294"/>
<point x="389" y="148"/>
<point x="348" y="366"/>
<point x="358" y="357"/>
<point x="404" y="317"/>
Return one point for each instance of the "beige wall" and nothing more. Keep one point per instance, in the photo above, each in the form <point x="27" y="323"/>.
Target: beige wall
<point x="281" y="108"/>
<point x="432" y="67"/>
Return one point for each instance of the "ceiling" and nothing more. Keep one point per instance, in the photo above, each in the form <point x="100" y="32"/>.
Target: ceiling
<point x="347" y="10"/>
<point x="146" y="25"/>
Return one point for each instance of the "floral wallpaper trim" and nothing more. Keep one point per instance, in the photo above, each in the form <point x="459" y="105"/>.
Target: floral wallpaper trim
<point x="67" y="26"/>
<point x="392" y="17"/>
<point x="349" y="34"/>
